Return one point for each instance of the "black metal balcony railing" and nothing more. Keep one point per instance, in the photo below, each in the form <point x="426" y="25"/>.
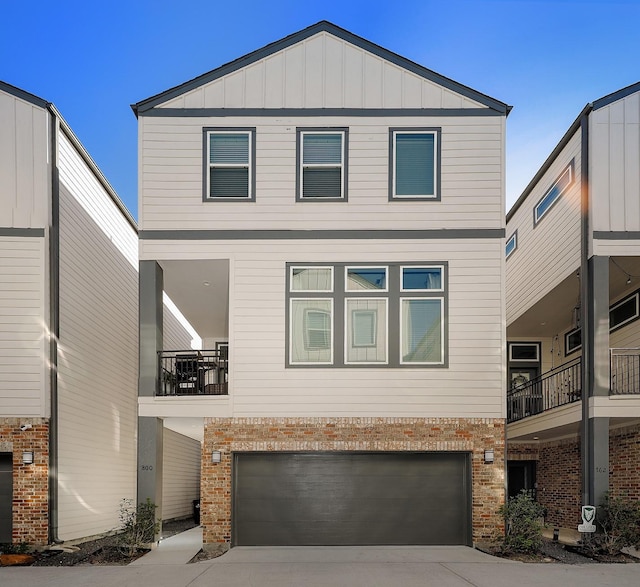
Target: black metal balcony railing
<point x="625" y="371"/>
<point x="558" y="387"/>
<point x="192" y="373"/>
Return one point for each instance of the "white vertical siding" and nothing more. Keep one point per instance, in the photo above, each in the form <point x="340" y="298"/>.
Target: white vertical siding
<point x="471" y="386"/>
<point x="472" y="172"/>
<point x="98" y="352"/>
<point x="613" y="165"/>
<point x="23" y="333"/>
<point x="24" y="164"/>
<point x="322" y="71"/>
<point x="180" y="475"/>
<point x="549" y="251"/>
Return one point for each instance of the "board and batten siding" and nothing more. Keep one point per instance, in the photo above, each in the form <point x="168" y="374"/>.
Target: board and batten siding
<point x="322" y="71"/>
<point x="171" y="176"/>
<point x="549" y="251"/>
<point x="614" y="171"/>
<point x="471" y="386"/>
<point x="180" y="474"/>
<point x="24" y="344"/>
<point x="98" y="352"/>
<point x="25" y="169"/>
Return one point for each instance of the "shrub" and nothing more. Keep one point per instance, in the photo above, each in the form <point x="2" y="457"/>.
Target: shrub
<point x="619" y="521"/>
<point x="138" y="525"/>
<point x="523" y="525"/>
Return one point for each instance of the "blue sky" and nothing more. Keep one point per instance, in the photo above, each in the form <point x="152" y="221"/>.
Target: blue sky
<point x="93" y="59"/>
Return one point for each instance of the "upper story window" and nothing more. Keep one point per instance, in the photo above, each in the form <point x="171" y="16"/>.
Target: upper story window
<point x="229" y="164"/>
<point x="414" y="164"/>
<point x="322" y="164"/>
<point x="512" y="244"/>
<point x="553" y="195"/>
<point x="346" y="315"/>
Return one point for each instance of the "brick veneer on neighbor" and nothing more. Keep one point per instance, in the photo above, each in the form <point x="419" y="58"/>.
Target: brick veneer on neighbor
<point x="352" y="434"/>
<point x="30" y="482"/>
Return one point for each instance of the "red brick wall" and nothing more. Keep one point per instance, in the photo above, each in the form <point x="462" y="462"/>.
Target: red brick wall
<point x="230" y="435"/>
<point x="624" y="462"/>
<point x="30" y="482"/>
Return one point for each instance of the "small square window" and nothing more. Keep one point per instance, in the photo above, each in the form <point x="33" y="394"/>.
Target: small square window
<point x="366" y="278"/>
<point x="322" y="164"/>
<point x="229" y="165"/>
<point x="422" y="279"/>
<point x="414" y="165"/>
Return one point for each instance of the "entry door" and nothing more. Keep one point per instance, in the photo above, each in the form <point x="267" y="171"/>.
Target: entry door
<point x="521" y="476"/>
<point x="6" y="496"/>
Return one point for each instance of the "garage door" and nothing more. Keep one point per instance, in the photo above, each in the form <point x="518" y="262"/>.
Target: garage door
<point x="6" y="496"/>
<point x="351" y="498"/>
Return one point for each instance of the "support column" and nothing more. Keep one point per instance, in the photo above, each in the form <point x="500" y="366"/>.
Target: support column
<point x="596" y="377"/>
<point x="150" y="430"/>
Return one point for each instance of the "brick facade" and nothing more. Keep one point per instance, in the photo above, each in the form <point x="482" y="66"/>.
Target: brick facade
<point x="559" y="472"/>
<point x="30" y="482"/>
<point x="229" y="435"/>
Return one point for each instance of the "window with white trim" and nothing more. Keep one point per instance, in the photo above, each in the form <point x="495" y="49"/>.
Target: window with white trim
<point x="322" y="164"/>
<point x="558" y="188"/>
<point x="229" y="164"/>
<point x="414" y="165"/>
<point x="348" y="315"/>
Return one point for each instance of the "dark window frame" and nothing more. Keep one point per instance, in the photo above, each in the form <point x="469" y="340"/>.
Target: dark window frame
<point x="537" y="218"/>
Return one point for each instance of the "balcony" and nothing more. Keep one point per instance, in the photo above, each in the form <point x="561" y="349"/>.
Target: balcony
<point x="555" y="388"/>
<point x="189" y="372"/>
<point x="625" y="371"/>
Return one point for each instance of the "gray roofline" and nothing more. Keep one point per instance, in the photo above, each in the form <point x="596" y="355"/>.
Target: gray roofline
<point x="613" y="97"/>
<point x="26" y="96"/>
<point x="575" y="126"/>
<point x="322" y="26"/>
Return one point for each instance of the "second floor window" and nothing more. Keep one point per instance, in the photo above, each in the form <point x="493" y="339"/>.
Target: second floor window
<point x="322" y="165"/>
<point x="230" y="164"/>
<point x="414" y="164"/>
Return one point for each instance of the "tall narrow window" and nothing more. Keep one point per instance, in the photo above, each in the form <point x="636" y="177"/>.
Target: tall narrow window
<point x="414" y="164"/>
<point x="322" y="164"/>
<point x="421" y="330"/>
<point x="229" y="164"/>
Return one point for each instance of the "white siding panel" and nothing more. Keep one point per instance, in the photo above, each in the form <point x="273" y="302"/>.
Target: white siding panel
<point x="613" y="166"/>
<point x="180" y="475"/>
<point x="260" y="385"/>
<point x="548" y="252"/>
<point x="323" y="72"/>
<point x="472" y="172"/>
<point x="23" y="340"/>
<point x="98" y="352"/>
<point x="24" y="164"/>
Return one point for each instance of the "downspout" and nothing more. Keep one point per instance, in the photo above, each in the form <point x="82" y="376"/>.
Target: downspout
<point x="586" y="301"/>
<point x="54" y="328"/>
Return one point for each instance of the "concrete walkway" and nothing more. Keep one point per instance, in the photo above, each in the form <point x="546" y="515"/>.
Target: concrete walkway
<point x="175" y="550"/>
<point x="413" y="566"/>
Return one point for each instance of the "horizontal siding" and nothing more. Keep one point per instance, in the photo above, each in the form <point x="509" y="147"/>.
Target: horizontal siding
<point x="180" y="474"/>
<point x="614" y="144"/>
<point x="24" y="164"/>
<point x="548" y="252"/>
<point x="472" y="385"/>
<point x="98" y="358"/>
<point x="174" y="335"/>
<point x="171" y="171"/>
<point x="23" y="341"/>
<point x="321" y="72"/>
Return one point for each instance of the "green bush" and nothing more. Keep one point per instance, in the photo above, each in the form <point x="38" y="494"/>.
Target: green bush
<point x="138" y="525"/>
<point x="14" y="548"/>
<point x="619" y="526"/>
<point x="523" y="525"/>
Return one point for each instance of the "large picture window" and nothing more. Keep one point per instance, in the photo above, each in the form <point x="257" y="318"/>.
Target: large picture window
<point x="414" y="164"/>
<point x="229" y="164"/>
<point x="322" y="164"/>
<point x="355" y="315"/>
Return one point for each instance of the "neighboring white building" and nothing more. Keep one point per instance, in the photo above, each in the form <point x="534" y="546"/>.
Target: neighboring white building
<point x="330" y="218"/>
<point x="573" y="273"/>
<point x="68" y="336"/>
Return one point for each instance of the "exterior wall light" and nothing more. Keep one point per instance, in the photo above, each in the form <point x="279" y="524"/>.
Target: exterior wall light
<point x="489" y="456"/>
<point x="27" y="457"/>
<point x="216" y="456"/>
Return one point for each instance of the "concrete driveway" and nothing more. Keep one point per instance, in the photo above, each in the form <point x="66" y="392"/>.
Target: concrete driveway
<point x="334" y="567"/>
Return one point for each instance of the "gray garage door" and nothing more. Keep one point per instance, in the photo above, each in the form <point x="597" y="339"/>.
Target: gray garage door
<point x="6" y="496"/>
<point x="351" y="498"/>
